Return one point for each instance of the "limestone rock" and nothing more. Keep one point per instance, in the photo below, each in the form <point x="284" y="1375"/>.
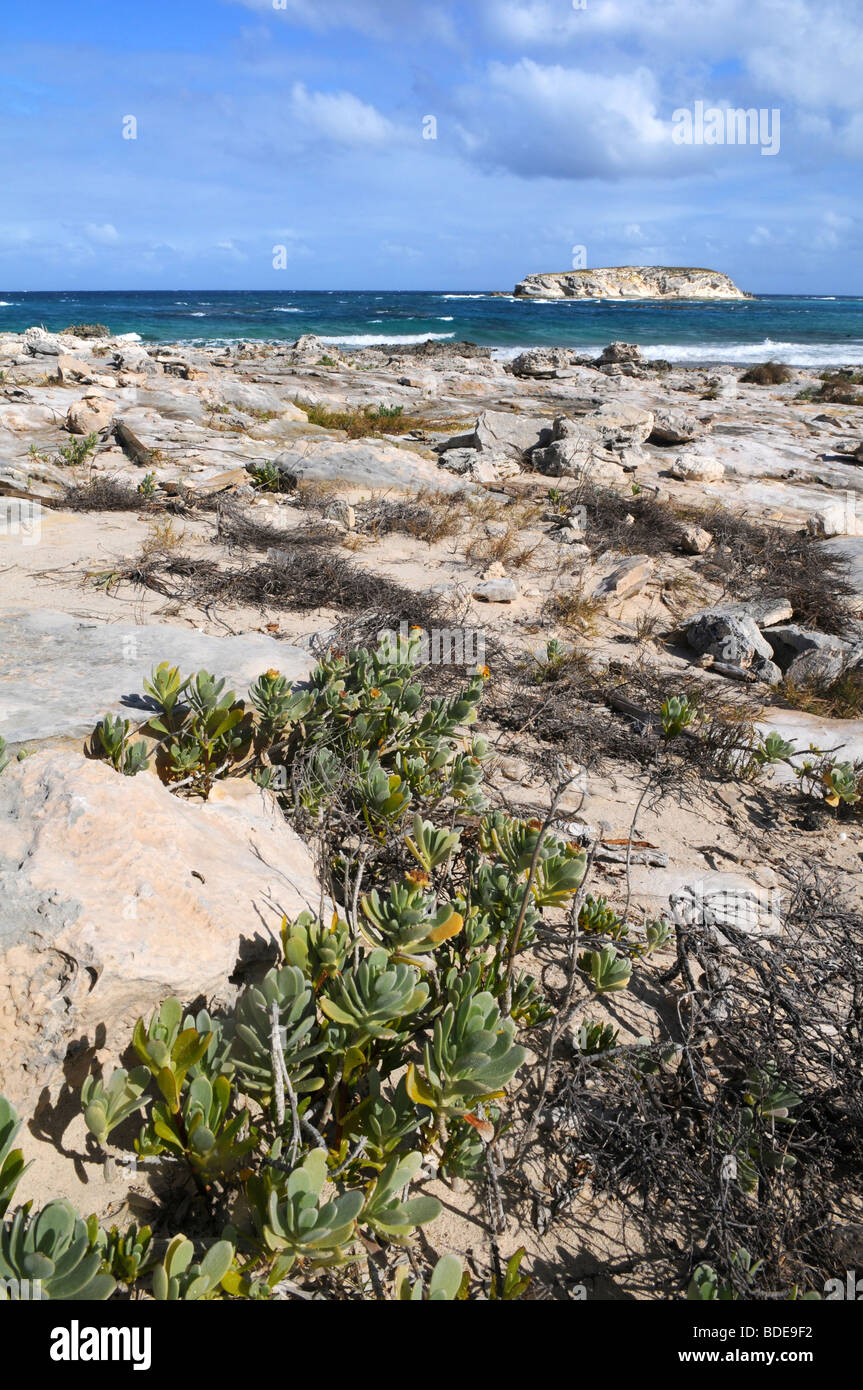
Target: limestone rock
<point x="496" y="591"/>
<point x="736" y="640"/>
<point x="625" y="579"/>
<point x="133" y="358"/>
<point x="694" y="467"/>
<point x="837" y="519"/>
<point x="63" y="673"/>
<point x="791" y="640"/>
<point x="630" y="282"/>
<point x="818" y="667"/>
<point x="115" y="894"/>
<point x="621" y="425"/>
<point x="73" y="369"/>
<point x="33" y="479"/>
<point x="619" y="352"/>
<point x="503" y="432"/>
<point x="695" y="540"/>
<point x="674" y="427"/>
<point x="546" y="363"/>
<point x="364" y="463"/>
<point x="38" y="343"/>
<point x="90" y="415"/>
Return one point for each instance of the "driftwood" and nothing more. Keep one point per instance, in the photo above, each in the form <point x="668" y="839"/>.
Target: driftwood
<point x="131" y="445"/>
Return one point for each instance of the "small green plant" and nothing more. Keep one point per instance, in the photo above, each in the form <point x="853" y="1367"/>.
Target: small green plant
<point x="513" y="1285"/>
<point x="78" y="450"/>
<point x="147" y="486"/>
<point x="54" y="1247"/>
<point x="105" y="1107"/>
<point x="676" y="715"/>
<point x="606" y="971"/>
<point x="179" y="1278"/>
<point x="12" y="1164"/>
<point x="126" y="1255"/>
<point x="448" y="1282"/>
<point x="110" y="740"/>
<point x="266" y="476"/>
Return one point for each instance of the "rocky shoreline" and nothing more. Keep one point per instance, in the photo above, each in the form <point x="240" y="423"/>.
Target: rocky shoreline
<point x="633" y="529"/>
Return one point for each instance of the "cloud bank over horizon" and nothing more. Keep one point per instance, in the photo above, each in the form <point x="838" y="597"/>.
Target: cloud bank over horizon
<point x="288" y="123"/>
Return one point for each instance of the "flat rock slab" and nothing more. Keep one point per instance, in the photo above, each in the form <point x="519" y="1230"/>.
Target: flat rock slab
<point x="366" y="464"/>
<point x="59" y="674"/>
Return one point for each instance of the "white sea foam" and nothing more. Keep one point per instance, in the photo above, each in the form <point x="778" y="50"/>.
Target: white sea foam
<point x="6" y="303"/>
<point x="279" y="310"/>
<point x="794" y="354"/>
<point x="379" y="340"/>
<point x="198" y="315"/>
<point x="445" y="318"/>
<point x="848" y="353"/>
<point x="127" y="337"/>
<point x="464" y="296"/>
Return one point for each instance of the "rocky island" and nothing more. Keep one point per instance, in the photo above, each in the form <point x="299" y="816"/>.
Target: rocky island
<point x="631" y="282"/>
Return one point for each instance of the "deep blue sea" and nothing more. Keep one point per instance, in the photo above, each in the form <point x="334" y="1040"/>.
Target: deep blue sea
<point x="807" y="330"/>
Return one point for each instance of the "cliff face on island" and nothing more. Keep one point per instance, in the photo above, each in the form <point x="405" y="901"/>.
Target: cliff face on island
<point x="631" y="282"/>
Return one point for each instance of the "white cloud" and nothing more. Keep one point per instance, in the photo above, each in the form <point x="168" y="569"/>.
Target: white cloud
<point x="105" y="233"/>
<point x="377" y="18"/>
<point x="340" y="117"/>
<point x="557" y="122"/>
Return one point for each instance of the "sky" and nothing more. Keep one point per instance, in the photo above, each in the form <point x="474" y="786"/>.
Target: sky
<point x="425" y="144"/>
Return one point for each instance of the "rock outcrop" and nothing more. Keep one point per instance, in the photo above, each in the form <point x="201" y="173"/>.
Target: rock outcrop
<point x="115" y="894"/>
<point x="631" y="282"/>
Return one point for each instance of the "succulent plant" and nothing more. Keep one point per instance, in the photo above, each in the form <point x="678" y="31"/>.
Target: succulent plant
<point x="319" y="951"/>
<point x="279" y="707"/>
<point x="606" y="971"/>
<point x="596" y="918"/>
<point x="369" y="1000"/>
<point x="384" y="1210"/>
<point x="446" y="1283"/>
<point x="676" y="715"/>
<point x="168" y="1050"/>
<point x="178" y="1278"/>
<point x="431" y="847"/>
<point x="291" y="993"/>
<point x="12" y="1164"/>
<point x="382" y="1123"/>
<point x="126" y="1255"/>
<point x="471" y="1058"/>
<point x="407" y="922"/>
<point x="292" y="1220"/>
<point x="205" y="1132"/>
<point x="52" y="1246"/>
<point x="105" y="1107"/>
<point x="110" y="741"/>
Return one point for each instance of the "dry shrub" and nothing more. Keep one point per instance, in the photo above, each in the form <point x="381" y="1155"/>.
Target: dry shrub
<point x="102" y="495"/>
<point x="767" y="374"/>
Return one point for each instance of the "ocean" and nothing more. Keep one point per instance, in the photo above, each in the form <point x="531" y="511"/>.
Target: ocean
<point x="805" y="330"/>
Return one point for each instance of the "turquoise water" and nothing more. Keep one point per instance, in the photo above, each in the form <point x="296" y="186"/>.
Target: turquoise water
<point x="809" y="331"/>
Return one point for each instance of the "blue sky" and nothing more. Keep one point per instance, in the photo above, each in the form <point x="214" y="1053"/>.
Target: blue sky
<point x="302" y="126"/>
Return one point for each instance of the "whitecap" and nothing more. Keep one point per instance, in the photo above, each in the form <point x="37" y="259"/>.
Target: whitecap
<point x="794" y="354"/>
<point x="376" y="340"/>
